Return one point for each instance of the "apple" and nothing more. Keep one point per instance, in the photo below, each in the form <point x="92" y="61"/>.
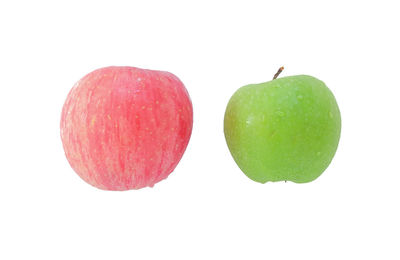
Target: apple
<point x="126" y="128"/>
<point x="287" y="129"/>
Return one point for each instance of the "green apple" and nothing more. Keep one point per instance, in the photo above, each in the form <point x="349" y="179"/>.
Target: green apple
<point x="287" y="129"/>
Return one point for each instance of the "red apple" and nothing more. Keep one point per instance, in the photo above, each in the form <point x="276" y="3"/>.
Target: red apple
<point x="126" y="128"/>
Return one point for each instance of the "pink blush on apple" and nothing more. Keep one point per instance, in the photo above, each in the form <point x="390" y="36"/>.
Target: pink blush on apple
<point x="126" y="128"/>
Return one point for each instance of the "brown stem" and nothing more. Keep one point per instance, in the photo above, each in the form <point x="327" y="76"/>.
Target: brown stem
<point x="278" y="72"/>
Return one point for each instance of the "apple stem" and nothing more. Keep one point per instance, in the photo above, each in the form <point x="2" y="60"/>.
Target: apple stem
<point x="278" y="72"/>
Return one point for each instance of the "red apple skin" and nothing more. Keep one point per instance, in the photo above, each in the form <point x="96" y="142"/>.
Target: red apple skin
<point x="126" y="128"/>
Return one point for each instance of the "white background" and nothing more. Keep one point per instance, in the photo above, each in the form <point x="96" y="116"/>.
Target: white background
<point x="207" y="208"/>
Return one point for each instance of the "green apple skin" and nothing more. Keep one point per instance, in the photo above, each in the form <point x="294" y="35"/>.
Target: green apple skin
<point x="287" y="129"/>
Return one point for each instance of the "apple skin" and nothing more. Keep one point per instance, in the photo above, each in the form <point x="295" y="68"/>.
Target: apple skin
<point x="126" y="128"/>
<point x="287" y="129"/>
